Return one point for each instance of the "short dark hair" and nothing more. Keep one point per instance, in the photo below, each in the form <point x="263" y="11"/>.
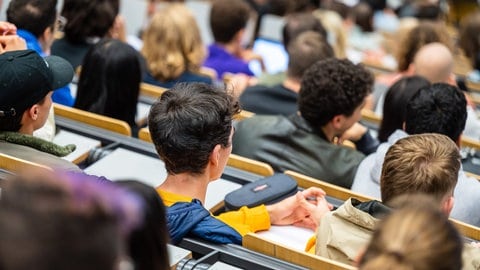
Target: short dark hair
<point x="148" y="242"/>
<point x="110" y="80"/>
<point x="33" y="15"/>
<point x="363" y="15"/>
<point x="14" y="123"/>
<point x="86" y="18"/>
<point x="333" y="87"/>
<point x="187" y="122"/>
<point x="440" y="108"/>
<point x="305" y="50"/>
<point x="227" y="17"/>
<point x="395" y="103"/>
<point x="297" y="23"/>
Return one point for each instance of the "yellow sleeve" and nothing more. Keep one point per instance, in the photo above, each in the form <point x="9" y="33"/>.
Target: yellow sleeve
<point x="310" y="247"/>
<point x="246" y="220"/>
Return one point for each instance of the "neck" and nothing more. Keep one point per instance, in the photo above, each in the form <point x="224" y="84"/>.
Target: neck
<point x="231" y="47"/>
<point x="328" y="132"/>
<point x="27" y="130"/>
<point x="292" y="84"/>
<point x="194" y="186"/>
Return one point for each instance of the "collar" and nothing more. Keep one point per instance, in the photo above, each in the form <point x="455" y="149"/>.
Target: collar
<point x="37" y="143"/>
<point x="31" y="40"/>
<point x="301" y="123"/>
<point x="170" y="198"/>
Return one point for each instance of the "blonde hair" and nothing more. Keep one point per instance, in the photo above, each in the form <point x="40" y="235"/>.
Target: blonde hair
<point x="337" y="35"/>
<point x="426" y="163"/>
<point x="172" y="43"/>
<point x="417" y="236"/>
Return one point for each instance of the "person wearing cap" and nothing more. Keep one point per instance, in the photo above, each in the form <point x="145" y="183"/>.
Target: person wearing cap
<point x="27" y="83"/>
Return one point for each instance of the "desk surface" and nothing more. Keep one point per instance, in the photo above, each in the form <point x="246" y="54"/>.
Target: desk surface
<point x="290" y="236"/>
<point x="84" y="145"/>
<point x="123" y="164"/>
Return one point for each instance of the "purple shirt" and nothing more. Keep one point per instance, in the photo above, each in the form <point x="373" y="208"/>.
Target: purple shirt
<point x="222" y="61"/>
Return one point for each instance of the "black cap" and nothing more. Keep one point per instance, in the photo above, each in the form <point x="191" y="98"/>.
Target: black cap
<point x="26" y="78"/>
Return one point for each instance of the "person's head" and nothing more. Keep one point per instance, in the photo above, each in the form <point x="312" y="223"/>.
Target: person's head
<point x="36" y="16"/>
<point x="191" y="127"/>
<point x="305" y="50"/>
<point x="51" y="221"/>
<point x="415" y="236"/>
<point x="434" y="61"/>
<point x="297" y="23"/>
<point x="376" y="5"/>
<point x="363" y="16"/>
<point x="333" y="92"/>
<point x="395" y="103"/>
<point x="109" y="83"/>
<point x="421" y="164"/>
<point x="469" y="41"/>
<point x="147" y="243"/>
<point x="228" y="19"/>
<point x="88" y="19"/>
<point x="424" y="33"/>
<point x="172" y="43"/>
<point x="27" y="84"/>
<point x="439" y="108"/>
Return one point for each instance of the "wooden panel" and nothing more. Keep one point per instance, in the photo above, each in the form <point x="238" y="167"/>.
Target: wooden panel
<point x="331" y="190"/>
<point x="151" y="90"/>
<point x="93" y="119"/>
<point x="255" y="243"/>
<point x="467" y="230"/>
<point x="14" y="164"/>
<point x="243" y="115"/>
<point x="250" y="165"/>
<point x="144" y="135"/>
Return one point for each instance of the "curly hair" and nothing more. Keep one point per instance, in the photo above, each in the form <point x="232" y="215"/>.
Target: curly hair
<point x="172" y="43"/>
<point x="422" y="34"/>
<point x="187" y="122"/>
<point x="333" y="87"/>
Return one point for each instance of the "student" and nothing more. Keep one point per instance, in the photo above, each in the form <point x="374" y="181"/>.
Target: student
<point x="440" y="108"/>
<point x="191" y="127"/>
<point x="228" y="21"/>
<point x="173" y="48"/>
<point x="56" y="221"/>
<point x="427" y="164"/>
<point x="417" y="236"/>
<point x="37" y="23"/>
<point x="110" y="81"/>
<point x="305" y="50"/>
<point x="28" y="82"/>
<point x="9" y="40"/>
<point x="330" y="101"/>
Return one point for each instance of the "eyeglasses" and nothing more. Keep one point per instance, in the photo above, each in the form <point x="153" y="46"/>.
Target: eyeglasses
<point x="60" y="23"/>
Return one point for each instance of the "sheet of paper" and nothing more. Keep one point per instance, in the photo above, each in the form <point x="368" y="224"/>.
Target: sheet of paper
<point x="290" y="236"/>
<point x="84" y="145"/>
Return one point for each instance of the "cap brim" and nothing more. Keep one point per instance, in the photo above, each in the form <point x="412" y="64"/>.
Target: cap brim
<point x="62" y="71"/>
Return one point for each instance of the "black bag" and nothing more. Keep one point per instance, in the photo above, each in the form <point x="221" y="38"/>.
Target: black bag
<point x="268" y="190"/>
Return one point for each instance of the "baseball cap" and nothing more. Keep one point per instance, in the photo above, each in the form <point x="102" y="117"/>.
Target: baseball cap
<point x="26" y="78"/>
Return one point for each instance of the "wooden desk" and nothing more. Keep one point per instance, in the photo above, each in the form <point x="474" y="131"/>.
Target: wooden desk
<point x="84" y="145"/>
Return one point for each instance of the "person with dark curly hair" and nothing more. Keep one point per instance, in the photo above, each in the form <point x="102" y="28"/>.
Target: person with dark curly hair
<point x="331" y="97"/>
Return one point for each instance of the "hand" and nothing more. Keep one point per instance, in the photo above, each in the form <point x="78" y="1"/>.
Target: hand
<point x="239" y="82"/>
<point x="248" y="55"/>
<point x="7" y="28"/>
<point x="298" y="211"/>
<point x="354" y="133"/>
<point x="12" y="43"/>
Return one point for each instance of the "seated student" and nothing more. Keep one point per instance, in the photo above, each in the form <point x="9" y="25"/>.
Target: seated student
<point x="64" y="222"/>
<point x="308" y="48"/>
<point x="109" y="83"/>
<point x="173" y="48"/>
<point x="228" y="20"/>
<point x="426" y="164"/>
<point x="440" y="108"/>
<point x="295" y="24"/>
<point x="191" y="127"/>
<point x="37" y="23"/>
<point x="330" y="101"/>
<point x="26" y="91"/>
<point x="147" y="244"/>
<point x="416" y="236"/>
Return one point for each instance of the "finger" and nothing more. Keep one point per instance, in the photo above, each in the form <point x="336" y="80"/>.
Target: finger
<point x="313" y="192"/>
